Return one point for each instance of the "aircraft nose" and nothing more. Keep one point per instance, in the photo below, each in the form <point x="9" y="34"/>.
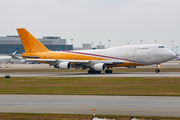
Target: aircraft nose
<point x="168" y="55"/>
<point x="173" y="55"/>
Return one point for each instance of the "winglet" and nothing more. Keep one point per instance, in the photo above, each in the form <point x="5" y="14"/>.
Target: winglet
<point x="30" y="43"/>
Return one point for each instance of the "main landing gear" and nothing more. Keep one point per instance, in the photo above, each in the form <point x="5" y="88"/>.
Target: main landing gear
<point x="94" y="72"/>
<point x="108" y="71"/>
<point x="98" y="72"/>
<point x="157" y="70"/>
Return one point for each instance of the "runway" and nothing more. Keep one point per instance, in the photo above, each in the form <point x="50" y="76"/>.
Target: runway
<point x="74" y="74"/>
<point x="81" y="104"/>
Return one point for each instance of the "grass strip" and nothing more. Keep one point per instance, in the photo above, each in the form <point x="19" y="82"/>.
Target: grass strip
<point x="168" y="86"/>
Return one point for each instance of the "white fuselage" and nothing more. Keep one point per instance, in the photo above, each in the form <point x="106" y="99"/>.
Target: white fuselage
<point x="9" y="58"/>
<point x="141" y="54"/>
<point x="5" y="58"/>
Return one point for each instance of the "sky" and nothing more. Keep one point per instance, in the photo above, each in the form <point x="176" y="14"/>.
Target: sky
<point x="87" y="21"/>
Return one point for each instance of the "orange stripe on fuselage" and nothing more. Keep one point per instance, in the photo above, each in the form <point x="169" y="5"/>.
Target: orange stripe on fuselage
<point x="62" y="55"/>
<point x="72" y="56"/>
<point x="125" y="64"/>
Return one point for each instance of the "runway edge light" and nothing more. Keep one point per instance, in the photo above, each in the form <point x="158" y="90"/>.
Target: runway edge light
<point x="96" y="118"/>
<point x="94" y="112"/>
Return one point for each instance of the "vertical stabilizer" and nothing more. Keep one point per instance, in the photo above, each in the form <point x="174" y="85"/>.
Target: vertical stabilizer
<point x="15" y="51"/>
<point x="30" y="43"/>
<point x="60" y="49"/>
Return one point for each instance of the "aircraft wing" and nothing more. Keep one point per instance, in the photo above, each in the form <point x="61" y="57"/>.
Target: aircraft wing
<point x="56" y="60"/>
<point x="14" y="57"/>
<point x="76" y="62"/>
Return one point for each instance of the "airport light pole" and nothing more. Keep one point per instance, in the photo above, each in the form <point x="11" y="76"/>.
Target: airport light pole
<point x="92" y="44"/>
<point x="173" y="46"/>
<point x="66" y="45"/>
<point x="99" y="42"/>
<point x="176" y="49"/>
<point x="128" y="43"/>
<point x="155" y="41"/>
<point x="140" y="41"/>
<point x="109" y="42"/>
<point x="72" y="41"/>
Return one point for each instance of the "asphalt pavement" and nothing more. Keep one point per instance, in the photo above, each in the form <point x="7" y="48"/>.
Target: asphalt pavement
<point x="84" y="104"/>
<point x="74" y="74"/>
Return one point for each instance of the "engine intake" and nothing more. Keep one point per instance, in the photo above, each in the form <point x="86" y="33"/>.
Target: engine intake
<point x="63" y="65"/>
<point x="22" y="61"/>
<point x="99" y="67"/>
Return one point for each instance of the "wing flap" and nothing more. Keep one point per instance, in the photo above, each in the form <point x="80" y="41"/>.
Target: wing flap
<point x="55" y="61"/>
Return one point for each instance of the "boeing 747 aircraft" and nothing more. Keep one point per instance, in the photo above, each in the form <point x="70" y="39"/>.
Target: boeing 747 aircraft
<point x="95" y="60"/>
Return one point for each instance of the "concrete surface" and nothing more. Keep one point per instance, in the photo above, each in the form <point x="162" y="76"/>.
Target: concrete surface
<point x="82" y="104"/>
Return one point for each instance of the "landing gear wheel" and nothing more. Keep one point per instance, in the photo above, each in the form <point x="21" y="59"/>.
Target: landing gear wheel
<point x="90" y="71"/>
<point x="157" y="70"/>
<point x="108" y="71"/>
<point x="94" y="72"/>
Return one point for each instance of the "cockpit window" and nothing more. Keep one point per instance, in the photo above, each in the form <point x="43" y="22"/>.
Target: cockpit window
<point x="161" y="47"/>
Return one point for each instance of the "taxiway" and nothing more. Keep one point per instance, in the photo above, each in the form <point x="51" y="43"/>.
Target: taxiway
<point x="84" y="104"/>
<point x="74" y="74"/>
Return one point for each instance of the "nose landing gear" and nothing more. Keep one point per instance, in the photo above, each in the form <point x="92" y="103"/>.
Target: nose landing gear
<point x="158" y="70"/>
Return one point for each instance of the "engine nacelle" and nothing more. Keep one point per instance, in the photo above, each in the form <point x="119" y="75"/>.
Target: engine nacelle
<point x="63" y="65"/>
<point x="23" y="61"/>
<point x="99" y="67"/>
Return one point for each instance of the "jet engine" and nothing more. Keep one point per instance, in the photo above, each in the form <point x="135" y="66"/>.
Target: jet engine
<point x="63" y="65"/>
<point x="23" y="61"/>
<point x="99" y="67"/>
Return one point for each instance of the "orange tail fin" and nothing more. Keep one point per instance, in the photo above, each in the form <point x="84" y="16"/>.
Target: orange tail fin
<point x="30" y="43"/>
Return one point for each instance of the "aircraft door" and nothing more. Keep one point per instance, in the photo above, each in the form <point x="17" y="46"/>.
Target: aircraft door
<point x="135" y="49"/>
<point x="131" y="54"/>
<point x="147" y="55"/>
